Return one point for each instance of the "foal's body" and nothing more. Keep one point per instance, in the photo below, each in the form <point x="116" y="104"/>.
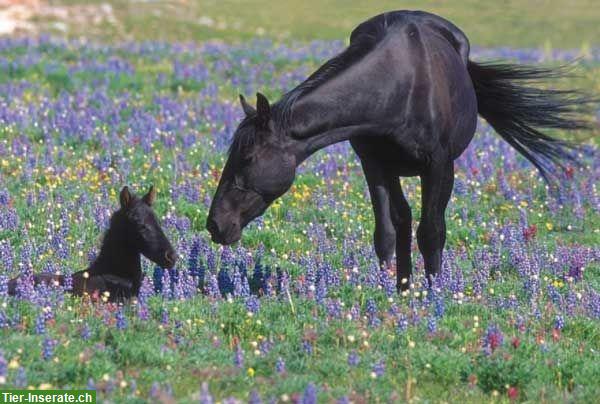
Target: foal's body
<point x="134" y="230"/>
<point x="118" y="287"/>
<point x="407" y="97"/>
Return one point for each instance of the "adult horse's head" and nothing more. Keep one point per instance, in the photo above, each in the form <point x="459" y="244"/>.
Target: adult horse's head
<point x="261" y="167"/>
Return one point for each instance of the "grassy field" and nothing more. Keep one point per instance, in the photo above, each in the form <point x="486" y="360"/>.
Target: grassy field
<point x="558" y="23"/>
<point x="298" y="311"/>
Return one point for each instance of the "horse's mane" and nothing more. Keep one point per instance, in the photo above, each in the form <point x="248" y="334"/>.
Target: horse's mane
<point x="363" y="40"/>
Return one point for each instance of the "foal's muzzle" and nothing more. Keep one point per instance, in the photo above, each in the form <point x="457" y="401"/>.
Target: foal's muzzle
<point x="170" y="258"/>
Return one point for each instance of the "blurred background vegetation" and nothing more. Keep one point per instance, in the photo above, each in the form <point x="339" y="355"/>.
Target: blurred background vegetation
<point x="515" y="23"/>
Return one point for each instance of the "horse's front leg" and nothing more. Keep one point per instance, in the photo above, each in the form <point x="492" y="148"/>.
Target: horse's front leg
<point x="384" y="237"/>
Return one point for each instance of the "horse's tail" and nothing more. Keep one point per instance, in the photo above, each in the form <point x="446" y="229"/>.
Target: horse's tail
<point x="518" y="111"/>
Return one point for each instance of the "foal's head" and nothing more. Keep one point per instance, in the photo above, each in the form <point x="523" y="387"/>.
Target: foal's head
<point x="259" y="170"/>
<point x="137" y="228"/>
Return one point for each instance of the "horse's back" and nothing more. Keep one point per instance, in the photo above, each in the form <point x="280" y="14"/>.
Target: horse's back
<point x="381" y="25"/>
<point x="429" y="57"/>
<point x="424" y="58"/>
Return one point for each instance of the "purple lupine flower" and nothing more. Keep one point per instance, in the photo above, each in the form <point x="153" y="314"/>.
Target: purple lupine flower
<point x="40" y="324"/>
<point x="334" y="308"/>
<point x="3" y="366"/>
<point x="431" y="324"/>
<point x="205" y="396"/>
<point x="226" y="285"/>
<point x="21" y="378"/>
<point x="374" y="321"/>
<point x="571" y="303"/>
<point x="6" y="254"/>
<point x="48" y="348"/>
<point x="559" y="323"/>
<point x="321" y="290"/>
<point x="265" y="346"/>
<point x="121" y="320"/>
<point x="164" y="317"/>
<point x="379" y="368"/>
<point x="283" y="282"/>
<point x="254" y="398"/>
<point x="240" y="284"/>
<point x="592" y="303"/>
<point x="212" y="287"/>
<point x="85" y="332"/>
<point x="307" y="347"/>
<point x="353" y="359"/>
<point x="238" y="357"/>
<point x="554" y="294"/>
<point x="146" y="290"/>
<point x="193" y="257"/>
<point x="68" y="283"/>
<point x="143" y="312"/>
<point x="252" y="304"/>
<point x="402" y="324"/>
<point x="154" y="390"/>
<point x="4" y="321"/>
<point x="439" y="306"/>
<point x="354" y="312"/>
<point x="310" y="394"/>
<point x="157" y="277"/>
<point x="3" y="285"/>
<point x="166" y="285"/>
<point x="492" y="339"/>
<point x="280" y="365"/>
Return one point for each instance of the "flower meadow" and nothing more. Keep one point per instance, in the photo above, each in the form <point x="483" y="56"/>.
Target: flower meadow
<point x="299" y="310"/>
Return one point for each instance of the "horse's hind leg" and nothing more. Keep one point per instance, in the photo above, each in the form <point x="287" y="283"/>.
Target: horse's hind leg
<point x="402" y="219"/>
<point x="436" y="186"/>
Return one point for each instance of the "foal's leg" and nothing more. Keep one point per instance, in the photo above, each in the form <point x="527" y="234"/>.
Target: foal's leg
<point x="402" y="219"/>
<point x="385" y="232"/>
<point x="48" y="279"/>
<point x="436" y="186"/>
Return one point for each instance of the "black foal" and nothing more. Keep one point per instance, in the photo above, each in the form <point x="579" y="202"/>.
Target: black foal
<point x="134" y="230"/>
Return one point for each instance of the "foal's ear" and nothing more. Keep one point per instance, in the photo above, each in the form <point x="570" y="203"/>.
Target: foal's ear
<point x="150" y="197"/>
<point x="125" y="197"/>
<point x="248" y="109"/>
<point x="263" y="110"/>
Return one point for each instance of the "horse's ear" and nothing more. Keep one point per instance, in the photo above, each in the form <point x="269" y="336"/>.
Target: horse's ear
<point x="125" y="197"/>
<point x="150" y="197"/>
<point x="248" y="109"/>
<point x="263" y="110"/>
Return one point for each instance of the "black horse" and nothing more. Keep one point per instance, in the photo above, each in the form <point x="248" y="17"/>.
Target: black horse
<point x="407" y="96"/>
<point x="134" y="230"/>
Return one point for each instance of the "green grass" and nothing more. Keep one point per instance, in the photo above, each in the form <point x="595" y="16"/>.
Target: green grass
<point x="557" y="23"/>
<point x="448" y="366"/>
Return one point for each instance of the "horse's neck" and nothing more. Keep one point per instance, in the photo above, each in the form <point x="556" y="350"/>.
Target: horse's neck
<point x="345" y="99"/>
<point x="118" y="259"/>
